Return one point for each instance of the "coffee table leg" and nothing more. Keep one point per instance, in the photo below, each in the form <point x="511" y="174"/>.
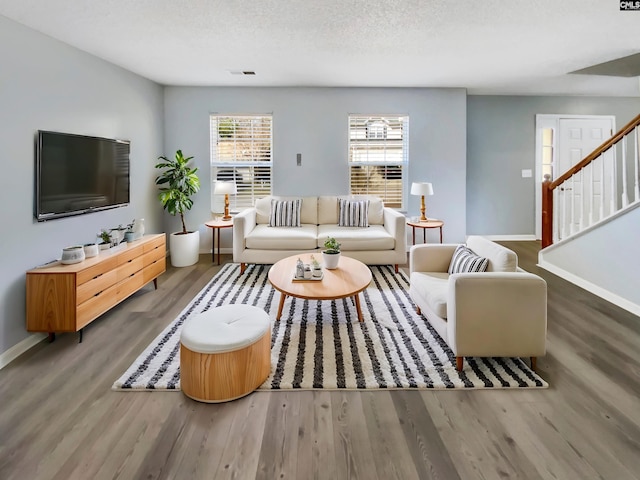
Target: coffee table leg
<point x="280" y="305"/>
<point x="357" y="299"/>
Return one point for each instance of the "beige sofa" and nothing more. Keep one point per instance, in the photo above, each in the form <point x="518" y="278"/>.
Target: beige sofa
<point x="499" y="313"/>
<point x="383" y="242"/>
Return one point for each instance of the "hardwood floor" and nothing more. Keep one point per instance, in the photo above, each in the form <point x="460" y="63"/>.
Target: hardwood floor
<point x="60" y="420"/>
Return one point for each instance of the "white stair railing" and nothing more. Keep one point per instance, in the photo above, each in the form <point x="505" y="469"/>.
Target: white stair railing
<point x="576" y="200"/>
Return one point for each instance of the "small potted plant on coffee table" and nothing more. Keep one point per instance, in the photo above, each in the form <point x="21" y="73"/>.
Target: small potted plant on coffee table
<point x="331" y="253"/>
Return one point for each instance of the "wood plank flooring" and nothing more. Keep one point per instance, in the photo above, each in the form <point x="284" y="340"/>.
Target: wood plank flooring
<point x="60" y="420"/>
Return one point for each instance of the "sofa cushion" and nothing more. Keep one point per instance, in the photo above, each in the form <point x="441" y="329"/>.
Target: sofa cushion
<point x="285" y="213"/>
<point x="265" y="237"/>
<point x="375" y="237"/>
<point x="353" y="213"/>
<point x="308" y="210"/>
<point x="433" y="288"/>
<point x="465" y="260"/>
<point x="501" y="259"/>
<point x="328" y="209"/>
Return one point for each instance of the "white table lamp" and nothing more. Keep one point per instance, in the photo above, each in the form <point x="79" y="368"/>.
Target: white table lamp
<point x="226" y="189"/>
<point x="422" y="189"/>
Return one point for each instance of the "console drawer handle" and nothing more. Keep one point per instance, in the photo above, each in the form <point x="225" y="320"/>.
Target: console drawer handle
<point x="98" y="275"/>
<point x="98" y="293"/>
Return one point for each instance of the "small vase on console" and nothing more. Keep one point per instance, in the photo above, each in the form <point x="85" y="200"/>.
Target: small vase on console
<point x="138" y="228"/>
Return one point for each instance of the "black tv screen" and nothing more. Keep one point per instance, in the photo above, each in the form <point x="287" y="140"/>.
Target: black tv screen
<point x="78" y="174"/>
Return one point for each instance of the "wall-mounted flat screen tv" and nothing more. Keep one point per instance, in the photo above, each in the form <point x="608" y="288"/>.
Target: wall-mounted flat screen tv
<point x="77" y="174"/>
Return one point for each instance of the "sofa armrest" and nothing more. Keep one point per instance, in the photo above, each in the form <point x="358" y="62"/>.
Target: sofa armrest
<point x="395" y="223"/>
<point x="243" y="223"/>
<point x="497" y="314"/>
<point x="431" y="257"/>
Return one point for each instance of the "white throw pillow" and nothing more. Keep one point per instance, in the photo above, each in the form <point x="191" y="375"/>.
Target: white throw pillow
<point x="353" y="213"/>
<point x="465" y="260"/>
<point x="285" y="213"/>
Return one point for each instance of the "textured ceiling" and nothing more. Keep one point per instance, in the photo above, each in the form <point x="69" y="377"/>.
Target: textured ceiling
<point x="488" y="46"/>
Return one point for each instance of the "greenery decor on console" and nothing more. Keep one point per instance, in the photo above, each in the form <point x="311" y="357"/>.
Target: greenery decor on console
<point x="178" y="182"/>
<point x="105" y="236"/>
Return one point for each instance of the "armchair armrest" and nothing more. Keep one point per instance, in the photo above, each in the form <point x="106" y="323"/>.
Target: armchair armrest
<point x="431" y="257"/>
<point x="243" y="223"/>
<point x="394" y="223"/>
<point x="497" y="314"/>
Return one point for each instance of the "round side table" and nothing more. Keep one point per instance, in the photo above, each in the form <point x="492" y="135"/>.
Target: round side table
<point x="431" y="223"/>
<point x="216" y="226"/>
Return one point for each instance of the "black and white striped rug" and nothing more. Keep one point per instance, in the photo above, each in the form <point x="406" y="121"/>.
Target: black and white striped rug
<point x="321" y="344"/>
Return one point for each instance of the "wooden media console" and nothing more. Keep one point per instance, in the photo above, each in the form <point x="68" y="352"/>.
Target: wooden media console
<point x="65" y="298"/>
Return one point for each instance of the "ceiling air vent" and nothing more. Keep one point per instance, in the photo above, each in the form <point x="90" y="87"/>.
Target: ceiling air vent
<point x="242" y="72"/>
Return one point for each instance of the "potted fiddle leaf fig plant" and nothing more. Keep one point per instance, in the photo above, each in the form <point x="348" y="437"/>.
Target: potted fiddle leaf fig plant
<point x="331" y="253"/>
<point x="178" y="182"/>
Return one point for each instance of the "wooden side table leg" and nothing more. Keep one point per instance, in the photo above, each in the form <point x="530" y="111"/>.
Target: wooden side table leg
<point x="218" y="229"/>
<point x="213" y="245"/>
<point x="424" y="235"/>
<point x="440" y="234"/>
<point x="414" y="234"/>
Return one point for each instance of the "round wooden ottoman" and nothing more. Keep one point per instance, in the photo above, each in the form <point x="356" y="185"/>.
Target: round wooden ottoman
<point x="225" y="353"/>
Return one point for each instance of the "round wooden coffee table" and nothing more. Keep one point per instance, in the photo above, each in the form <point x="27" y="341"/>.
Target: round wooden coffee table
<point x="348" y="280"/>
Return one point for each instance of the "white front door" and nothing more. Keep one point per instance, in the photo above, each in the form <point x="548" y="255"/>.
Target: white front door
<point x="588" y="190"/>
<point x="561" y="142"/>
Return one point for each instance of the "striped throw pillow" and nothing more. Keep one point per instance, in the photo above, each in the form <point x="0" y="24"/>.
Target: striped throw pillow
<point x="353" y="213"/>
<point x="464" y="260"/>
<point x="285" y="213"/>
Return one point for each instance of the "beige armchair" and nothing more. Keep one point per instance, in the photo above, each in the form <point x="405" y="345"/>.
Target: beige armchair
<point x="498" y="313"/>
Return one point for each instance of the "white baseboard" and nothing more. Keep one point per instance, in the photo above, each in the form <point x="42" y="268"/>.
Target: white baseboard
<point x="510" y="238"/>
<point x="590" y="287"/>
<point x="20" y="347"/>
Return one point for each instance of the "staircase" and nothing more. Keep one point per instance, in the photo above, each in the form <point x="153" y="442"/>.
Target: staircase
<point x="591" y="220"/>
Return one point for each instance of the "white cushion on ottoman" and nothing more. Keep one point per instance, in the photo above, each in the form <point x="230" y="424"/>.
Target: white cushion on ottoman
<point x="224" y="329"/>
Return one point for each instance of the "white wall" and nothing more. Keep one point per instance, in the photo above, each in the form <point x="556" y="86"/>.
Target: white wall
<point x="314" y="122"/>
<point x="605" y="258"/>
<point x="45" y="84"/>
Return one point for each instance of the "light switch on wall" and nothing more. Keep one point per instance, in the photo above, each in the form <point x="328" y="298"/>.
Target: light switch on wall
<point x="526" y="173"/>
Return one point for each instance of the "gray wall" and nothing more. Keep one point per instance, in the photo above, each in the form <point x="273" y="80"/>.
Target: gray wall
<point x="314" y="122"/>
<point x="501" y="143"/>
<point x="45" y="84"/>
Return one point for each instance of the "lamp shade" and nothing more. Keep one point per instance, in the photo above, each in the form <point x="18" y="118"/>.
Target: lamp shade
<point x="421" y="188"/>
<point x="222" y="188"/>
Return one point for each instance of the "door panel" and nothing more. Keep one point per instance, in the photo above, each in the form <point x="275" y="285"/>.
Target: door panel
<point x="578" y="138"/>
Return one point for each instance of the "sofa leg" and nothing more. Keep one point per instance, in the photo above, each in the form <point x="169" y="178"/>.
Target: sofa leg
<point x="533" y="362"/>
<point x="418" y="311"/>
<point x="459" y="363"/>
<point x="243" y="267"/>
<point x="396" y="265"/>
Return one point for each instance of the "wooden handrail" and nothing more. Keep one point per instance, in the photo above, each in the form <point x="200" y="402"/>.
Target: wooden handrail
<point x="596" y="153"/>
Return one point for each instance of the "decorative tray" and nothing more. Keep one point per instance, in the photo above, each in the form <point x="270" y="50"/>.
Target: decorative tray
<point x="312" y="279"/>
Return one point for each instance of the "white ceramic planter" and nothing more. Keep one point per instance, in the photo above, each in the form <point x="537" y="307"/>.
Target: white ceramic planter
<point x="184" y="249"/>
<point x="330" y="260"/>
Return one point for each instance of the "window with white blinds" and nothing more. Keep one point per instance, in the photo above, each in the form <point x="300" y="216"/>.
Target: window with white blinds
<point x="379" y="156"/>
<point x="241" y="152"/>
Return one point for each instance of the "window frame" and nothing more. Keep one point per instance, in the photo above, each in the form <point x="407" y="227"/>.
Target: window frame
<point x="249" y="192"/>
<point x="372" y="138"/>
